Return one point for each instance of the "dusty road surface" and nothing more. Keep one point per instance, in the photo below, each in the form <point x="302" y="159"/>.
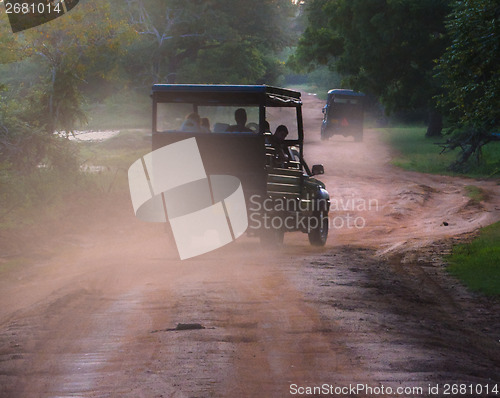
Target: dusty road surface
<point x="92" y="315"/>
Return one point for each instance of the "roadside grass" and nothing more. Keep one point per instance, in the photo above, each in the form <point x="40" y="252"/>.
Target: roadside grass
<point x="415" y="152"/>
<point x="476" y="194"/>
<point x="124" y="110"/>
<point x="45" y="193"/>
<point x="30" y="203"/>
<point x="24" y="199"/>
<point x="112" y="158"/>
<point x="12" y="264"/>
<point x="477" y="264"/>
<point x="118" y="151"/>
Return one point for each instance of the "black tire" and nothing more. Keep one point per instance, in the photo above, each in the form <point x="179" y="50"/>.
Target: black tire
<point x="270" y="237"/>
<point x="319" y="234"/>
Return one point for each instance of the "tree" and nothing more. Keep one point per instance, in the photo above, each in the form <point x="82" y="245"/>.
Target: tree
<point x="63" y="54"/>
<point x="20" y="141"/>
<point x="470" y="74"/>
<point x="69" y="49"/>
<point x="217" y="41"/>
<point x="9" y="47"/>
<point x="385" y="48"/>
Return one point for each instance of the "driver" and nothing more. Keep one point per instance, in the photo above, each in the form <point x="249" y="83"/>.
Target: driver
<point x="240" y="116"/>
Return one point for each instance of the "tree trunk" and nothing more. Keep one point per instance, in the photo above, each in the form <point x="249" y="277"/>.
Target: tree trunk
<point x="51" y="125"/>
<point x="435" y="125"/>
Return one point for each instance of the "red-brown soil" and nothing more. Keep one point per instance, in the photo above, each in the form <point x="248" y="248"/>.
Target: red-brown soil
<point x="88" y="316"/>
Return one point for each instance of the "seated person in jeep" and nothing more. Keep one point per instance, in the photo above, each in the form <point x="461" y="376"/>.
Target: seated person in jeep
<point x="191" y="123"/>
<point x="240" y="116"/>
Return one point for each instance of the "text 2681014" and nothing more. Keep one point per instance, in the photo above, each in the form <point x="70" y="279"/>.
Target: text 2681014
<point x="32" y="8"/>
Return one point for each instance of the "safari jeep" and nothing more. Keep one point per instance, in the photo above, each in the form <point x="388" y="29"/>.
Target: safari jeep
<point x="343" y="114"/>
<point x="280" y="191"/>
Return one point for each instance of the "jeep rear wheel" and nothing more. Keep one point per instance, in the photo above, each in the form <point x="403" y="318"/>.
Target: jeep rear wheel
<point x="271" y="237"/>
<point x="318" y="232"/>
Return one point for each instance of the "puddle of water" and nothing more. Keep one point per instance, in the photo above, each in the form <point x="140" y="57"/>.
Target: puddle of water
<point x="92" y="169"/>
<point x="90" y="136"/>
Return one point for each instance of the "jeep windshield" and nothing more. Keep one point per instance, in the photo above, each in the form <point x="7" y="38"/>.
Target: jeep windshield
<point x="193" y="118"/>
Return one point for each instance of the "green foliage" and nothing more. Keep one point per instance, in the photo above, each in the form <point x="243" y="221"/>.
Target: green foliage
<point x="42" y="88"/>
<point x="384" y="48"/>
<point x="52" y="75"/>
<point x="470" y="74"/>
<point x="215" y="41"/>
<point x="477" y="264"/>
<point x="10" y="49"/>
<point x="23" y="144"/>
<point x="72" y="49"/>
<point x="219" y="65"/>
<point x="415" y="152"/>
<point x="469" y="68"/>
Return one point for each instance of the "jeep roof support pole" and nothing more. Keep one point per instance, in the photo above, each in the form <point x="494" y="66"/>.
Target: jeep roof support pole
<point x="300" y="128"/>
<point x="262" y="117"/>
<point x="154" y="115"/>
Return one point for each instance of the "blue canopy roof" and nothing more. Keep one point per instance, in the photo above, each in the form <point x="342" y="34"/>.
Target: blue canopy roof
<point x="342" y="91"/>
<point x="224" y="93"/>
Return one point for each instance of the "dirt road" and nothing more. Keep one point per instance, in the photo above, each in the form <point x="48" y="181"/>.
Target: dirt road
<point x="92" y="316"/>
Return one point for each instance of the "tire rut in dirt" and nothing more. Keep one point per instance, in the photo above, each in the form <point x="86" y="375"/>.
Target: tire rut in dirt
<point x="402" y="322"/>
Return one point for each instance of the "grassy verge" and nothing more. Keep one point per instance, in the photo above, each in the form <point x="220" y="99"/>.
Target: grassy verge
<point x="48" y="201"/>
<point x="111" y="159"/>
<point x="124" y="110"/>
<point x="476" y="194"/>
<point x="415" y="152"/>
<point x="12" y="264"/>
<point x="477" y="264"/>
